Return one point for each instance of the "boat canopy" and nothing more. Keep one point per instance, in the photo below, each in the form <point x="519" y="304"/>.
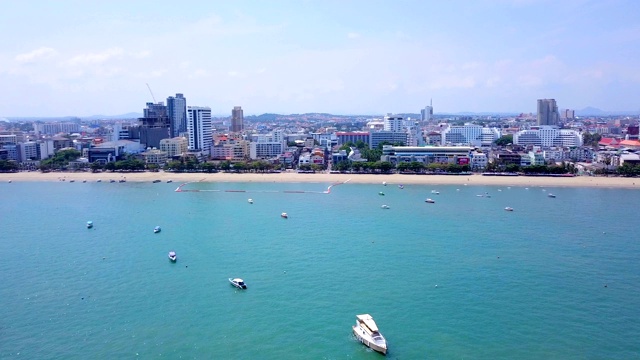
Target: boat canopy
<point x="172" y="253"/>
<point x="367" y="320"/>
<point x="238" y="280"/>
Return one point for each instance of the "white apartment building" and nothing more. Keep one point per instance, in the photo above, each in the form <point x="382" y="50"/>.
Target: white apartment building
<point x="393" y="123"/>
<point x="266" y="146"/>
<point x="199" y="129"/>
<point x="470" y="134"/>
<point x="478" y="160"/>
<point x="548" y="136"/>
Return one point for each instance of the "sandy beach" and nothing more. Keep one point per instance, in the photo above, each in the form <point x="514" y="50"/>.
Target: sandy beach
<point x="293" y="177"/>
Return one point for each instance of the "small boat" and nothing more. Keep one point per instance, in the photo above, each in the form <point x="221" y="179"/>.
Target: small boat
<point x="99" y="180"/>
<point x="551" y="195"/>
<point x="112" y="181"/>
<point x="156" y="229"/>
<point x="430" y="201"/>
<point x="156" y="181"/>
<point x="89" y="224"/>
<point x="250" y="201"/>
<point x="401" y="186"/>
<point x="84" y="181"/>
<point x="384" y="183"/>
<point x="381" y="193"/>
<point x="172" y="256"/>
<point x="385" y="207"/>
<point x="284" y="215"/>
<point x="237" y="282"/>
<point x="435" y="192"/>
<point x="169" y="181"/>
<point x="508" y="208"/>
<point x="72" y="181"/>
<point x="122" y="180"/>
<point x="366" y="331"/>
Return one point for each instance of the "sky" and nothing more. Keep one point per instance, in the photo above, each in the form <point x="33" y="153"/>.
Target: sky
<point x="372" y="57"/>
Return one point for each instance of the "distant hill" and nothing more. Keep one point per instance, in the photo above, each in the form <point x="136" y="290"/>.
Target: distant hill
<point x="131" y="115"/>
<point x="591" y="111"/>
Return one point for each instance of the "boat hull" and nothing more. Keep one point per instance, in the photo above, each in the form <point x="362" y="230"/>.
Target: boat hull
<point x="361" y="336"/>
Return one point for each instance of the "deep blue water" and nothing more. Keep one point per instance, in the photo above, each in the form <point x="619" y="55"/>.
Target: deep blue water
<point x="458" y="279"/>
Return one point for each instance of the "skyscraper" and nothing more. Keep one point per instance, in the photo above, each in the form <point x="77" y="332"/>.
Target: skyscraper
<point x="177" y="112"/>
<point x="237" y="119"/>
<point x="393" y="123"/>
<point x="199" y="128"/>
<point x="547" y="112"/>
<point x="426" y="114"/>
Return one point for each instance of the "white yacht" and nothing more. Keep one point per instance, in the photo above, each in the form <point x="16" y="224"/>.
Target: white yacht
<point x="508" y="208"/>
<point x="250" y="201"/>
<point x="89" y="224"/>
<point x="367" y="332"/>
<point x="385" y="207"/>
<point x="239" y="283"/>
<point x="551" y="195"/>
<point x="157" y="229"/>
<point x="172" y="256"/>
<point x="430" y="201"/>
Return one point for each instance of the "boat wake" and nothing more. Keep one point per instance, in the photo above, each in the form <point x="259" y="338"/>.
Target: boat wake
<point x="181" y="188"/>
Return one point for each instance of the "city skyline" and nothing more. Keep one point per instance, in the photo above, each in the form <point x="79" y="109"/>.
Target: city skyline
<point x="72" y="58"/>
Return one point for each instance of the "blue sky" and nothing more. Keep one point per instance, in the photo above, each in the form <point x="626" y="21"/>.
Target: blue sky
<point x="346" y="57"/>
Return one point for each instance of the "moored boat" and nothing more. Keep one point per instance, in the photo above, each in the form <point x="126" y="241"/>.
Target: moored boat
<point x="551" y="195"/>
<point x="250" y="201"/>
<point x="385" y="207"/>
<point x="284" y="215"/>
<point x="172" y="256"/>
<point x="156" y="181"/>
<point x="89" y="224"/>
<point x="381" y="193"/>
<point x="508" y="208"/>
<point x="366" y="331"/>
<point x="430" y="201"/>
<point x="156" y="229"/>
<point x="169" y="181"/>
<point x="237" y="282"/>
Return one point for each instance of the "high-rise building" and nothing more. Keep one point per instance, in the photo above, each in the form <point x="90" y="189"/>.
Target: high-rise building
<point x="547" y="112"/>
<point x="426" y="114"/>
<point x="199" y="129"/>
<point x="393" y="123"/>
<point x="154" y="125"/>
<point x="237" y="119"/>
<point x="177" y="112"/>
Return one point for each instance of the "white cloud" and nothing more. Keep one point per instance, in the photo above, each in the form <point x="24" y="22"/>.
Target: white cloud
<point x="41" y="53"/>
<point x="95" y="58"/>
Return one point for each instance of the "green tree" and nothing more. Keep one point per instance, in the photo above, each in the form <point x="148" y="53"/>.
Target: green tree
<point x="504" y="140"/>
<point x="8" y="166"/>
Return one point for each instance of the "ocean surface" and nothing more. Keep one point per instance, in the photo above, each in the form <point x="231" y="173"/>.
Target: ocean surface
<point x="557" y="278"/>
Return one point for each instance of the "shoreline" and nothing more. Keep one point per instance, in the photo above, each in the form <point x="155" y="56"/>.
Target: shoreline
<point x="293" y="177"/>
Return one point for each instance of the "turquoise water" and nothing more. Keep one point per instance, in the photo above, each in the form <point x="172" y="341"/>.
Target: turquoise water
<point x="458" y="279"/>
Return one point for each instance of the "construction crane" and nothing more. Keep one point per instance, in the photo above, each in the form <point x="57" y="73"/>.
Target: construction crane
<point x="153" y="97"/>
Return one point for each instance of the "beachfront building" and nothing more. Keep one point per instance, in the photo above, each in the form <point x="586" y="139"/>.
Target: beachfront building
<point x="479" y="160"/>
<point x="199" y="129"/>
<point x="233" y="150"/>
<point x="470" y="134"/>
<point x="267" y="146"/>
<point x="387" y="137"/>
<point x="113" y="151"/>
<point x="548" y="136"/>
<point x="175" y="146"/>
<point x="154" y="125"/>
<point x="154" y="156"/>
<point x="459" y="155"/>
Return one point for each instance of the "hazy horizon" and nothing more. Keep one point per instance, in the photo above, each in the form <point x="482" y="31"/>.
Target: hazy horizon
<point x="358" y="57"/>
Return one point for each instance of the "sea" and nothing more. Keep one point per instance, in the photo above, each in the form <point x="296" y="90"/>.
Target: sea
<point x="556" y="278"/>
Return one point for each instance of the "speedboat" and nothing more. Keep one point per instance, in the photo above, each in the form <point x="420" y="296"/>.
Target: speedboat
<point x="122" y="180"/>
<point x="172" y="256"/>
<point x="156" y="181"/>
<point x="156" y="229"/>
<point x="169" y="181"/>
<point x="112" y="181"/>
<point x="401" y="186"/>
<point x="284" y="215"/>
<point x="435" y="192"/>
<point x="250" y="201"/>
<point x="99" y="180"/>
<point x="72" y="181"/>
<point x="366" y="331"/>
<point x="385" y="207"/>
<point x="381" y="193"/>
<point x="551" y="195"/>
<point x="89" y="224"/>
<point x="384" y="183"/>
<point x="508" y="208"/>
<point x="84" y="181"/>
<point x="430" y="201"/>
<point x="237" y="282"/>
